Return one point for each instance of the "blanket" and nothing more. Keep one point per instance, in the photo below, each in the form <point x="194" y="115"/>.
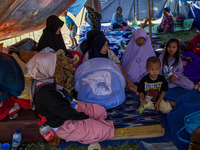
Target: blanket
<point x="188" y="102"/>
<point x="125" y="115"/>
<point x="11" y="77"/>
<point x="192" y="69"/>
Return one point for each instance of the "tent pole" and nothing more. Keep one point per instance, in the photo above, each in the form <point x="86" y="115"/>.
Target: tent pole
<point x="137" y="10"/>
<point x="134" y="8"/>
<point x="149" y="16"/>
<point x="152" y="8"/>
<point x="82" y="16"/>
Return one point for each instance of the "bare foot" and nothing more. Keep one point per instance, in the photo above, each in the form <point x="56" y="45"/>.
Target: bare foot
<point x="173" y="104"/>
<point x="189" y="58"/>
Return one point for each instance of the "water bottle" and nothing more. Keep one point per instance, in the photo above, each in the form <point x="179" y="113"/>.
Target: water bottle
<point x="49" y="135"/>
<point x="16" y="141"/>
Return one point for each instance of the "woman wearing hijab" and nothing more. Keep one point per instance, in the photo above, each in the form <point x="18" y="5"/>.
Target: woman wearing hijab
<point x="52" y="36"/>
<point x="85" y="45"/>
<point x="167" y="23"/>
<point x="70" y="119"/>
<point x="99" y="48"/>
<point x="136" y="54"/>
<point x="94" y="13"/>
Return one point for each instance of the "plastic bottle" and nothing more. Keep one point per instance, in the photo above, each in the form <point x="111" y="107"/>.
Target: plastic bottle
<point x="16" y="141"/>
<point x="49" y="135"/>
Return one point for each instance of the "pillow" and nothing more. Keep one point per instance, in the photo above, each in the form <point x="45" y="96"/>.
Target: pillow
<point x="187" y="24"/>
<point x="25" y="56"/>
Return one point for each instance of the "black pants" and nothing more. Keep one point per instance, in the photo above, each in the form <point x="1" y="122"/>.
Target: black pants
<point x="115" y="25"/>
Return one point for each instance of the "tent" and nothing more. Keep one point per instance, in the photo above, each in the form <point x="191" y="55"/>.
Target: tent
<point x="18" y="17"/>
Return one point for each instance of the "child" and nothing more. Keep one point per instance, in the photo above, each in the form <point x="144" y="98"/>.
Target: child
<point x="73" y="29"/>
<point x="172" y="67"/>
<point x="153" y="86"/>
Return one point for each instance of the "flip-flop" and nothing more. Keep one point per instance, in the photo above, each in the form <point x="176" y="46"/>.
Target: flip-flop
<point x="94" y="146"/>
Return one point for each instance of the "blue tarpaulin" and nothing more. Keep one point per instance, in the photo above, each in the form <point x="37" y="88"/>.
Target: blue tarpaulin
<point x="194" y="13"/>
<point x="76" y="7"/>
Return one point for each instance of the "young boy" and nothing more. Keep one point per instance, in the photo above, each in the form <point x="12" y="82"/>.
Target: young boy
<point x="73" y="29"/>
<point x="153" y="85"/>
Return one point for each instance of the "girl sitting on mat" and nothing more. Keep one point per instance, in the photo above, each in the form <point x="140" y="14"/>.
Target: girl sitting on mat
<point x="172" y="66"/>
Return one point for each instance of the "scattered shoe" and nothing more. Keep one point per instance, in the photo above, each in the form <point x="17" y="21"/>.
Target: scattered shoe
<point x="94" y="146"/>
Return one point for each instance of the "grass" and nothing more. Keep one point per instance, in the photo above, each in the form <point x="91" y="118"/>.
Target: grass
<point x="185" y="36"/>
<point x="46" y="146"/>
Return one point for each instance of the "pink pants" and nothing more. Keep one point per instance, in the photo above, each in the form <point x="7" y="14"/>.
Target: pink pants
<point x="94" y="129"/>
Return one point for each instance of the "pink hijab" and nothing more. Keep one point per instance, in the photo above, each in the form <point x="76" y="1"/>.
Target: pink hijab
<point x="41" y="66"/>
<point x="135" y="57"/>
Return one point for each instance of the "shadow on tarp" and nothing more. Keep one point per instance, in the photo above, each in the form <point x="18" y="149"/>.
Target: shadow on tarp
<point x="18" y="17"/>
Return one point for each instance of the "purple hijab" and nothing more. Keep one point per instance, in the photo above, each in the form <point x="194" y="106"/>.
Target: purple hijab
<point x="135" y="57"/>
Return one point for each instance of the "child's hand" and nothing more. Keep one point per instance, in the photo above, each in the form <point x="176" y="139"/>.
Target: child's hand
<point x="157" y="106"/>
<point x="189" y="58"/>
<point x="173" y="78"/>
<point x="144" y="101"/>
<point x="197" y="86"/>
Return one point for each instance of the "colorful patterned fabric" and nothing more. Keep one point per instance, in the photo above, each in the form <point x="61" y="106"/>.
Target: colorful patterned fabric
<point x="167" y="21"/>
<point x="65" y="71"/>
<point x="125" y="115"/>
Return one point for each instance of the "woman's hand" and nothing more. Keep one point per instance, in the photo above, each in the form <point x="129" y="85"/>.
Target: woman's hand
<point x="132" y="87"/>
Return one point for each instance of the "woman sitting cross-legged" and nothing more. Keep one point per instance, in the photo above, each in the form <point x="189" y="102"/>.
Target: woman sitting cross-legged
<point x="118" y="19"/>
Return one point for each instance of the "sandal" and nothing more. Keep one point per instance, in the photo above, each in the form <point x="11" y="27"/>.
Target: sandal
<point x="94" y="146"/>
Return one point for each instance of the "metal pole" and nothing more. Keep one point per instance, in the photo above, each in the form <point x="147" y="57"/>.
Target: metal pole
<point x="137" y="10"/>
<point x="134" y="8"/>
<point x="119" y="2"/>
<point x="152" y="8"/>
<point x="82" y="15"/>
<point x="34" y="36"/>
<point x="149" y="16"/>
